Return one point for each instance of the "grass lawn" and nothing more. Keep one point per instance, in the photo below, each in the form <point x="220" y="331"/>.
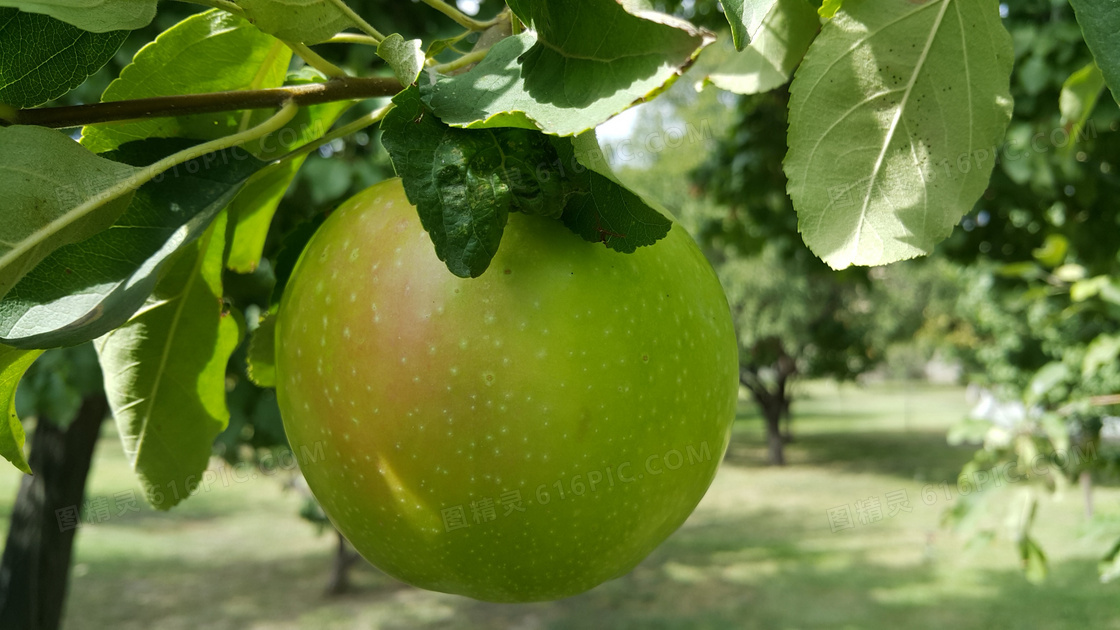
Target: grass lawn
<point x="759" y="552"/>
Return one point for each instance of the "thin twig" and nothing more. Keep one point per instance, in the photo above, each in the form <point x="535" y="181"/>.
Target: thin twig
<point x="461" y="18"/>
<point x="349" y="128"/>
<point x="352" y="38"/>
<point x="357" y="19"/>
<point x="184" y="104"/>
<point x="465" y="60"/>
<point x="313" y="59"/>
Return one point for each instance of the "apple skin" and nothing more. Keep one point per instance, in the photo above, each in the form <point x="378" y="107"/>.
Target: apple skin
<point x="597" y="387"/>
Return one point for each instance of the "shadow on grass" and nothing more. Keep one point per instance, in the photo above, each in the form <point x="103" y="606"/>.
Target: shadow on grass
<point x="720" y="576"/>
<point x="757" y="571"/>
<point x="917" y="455"/>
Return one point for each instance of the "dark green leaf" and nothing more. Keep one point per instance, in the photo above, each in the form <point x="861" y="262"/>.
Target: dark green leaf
<point x="464" y="183"/>
<point x="85" y="289"/>
<point x="600" y="208"/>
<point x="291" y="247"/>
<point x="165" y="372"/>
<point x="42" y="58"/>
<point x="1100" y="22"/>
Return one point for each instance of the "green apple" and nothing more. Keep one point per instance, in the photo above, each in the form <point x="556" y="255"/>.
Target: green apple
<point x="521" y="436"/>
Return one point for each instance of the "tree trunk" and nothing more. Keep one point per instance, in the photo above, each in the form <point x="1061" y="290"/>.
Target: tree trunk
<point x="1086" y="480"/>
<point x="344" y="559"/>
<point x="774" y="437"/>
<point x="773" y="405"/>
<point x="787" y="435"/>
<point x="35" y="570"/>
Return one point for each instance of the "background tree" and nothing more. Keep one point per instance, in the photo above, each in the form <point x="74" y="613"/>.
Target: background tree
<point x="796" y="317"/>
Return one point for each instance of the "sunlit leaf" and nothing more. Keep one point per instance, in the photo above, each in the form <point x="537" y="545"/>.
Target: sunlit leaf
<point x="404" y="57"/>
<point x="85" y="289"/>
<point x="13" y="363"/>
<point x="165" y="372"/>
<point x="1079" y="97"/>
<point x="182" y="61"/>
<point x="746" y="17"/>
<point x="55" y="193"/>
<point x="896" y="115"/>
<point x="773" y="54"/>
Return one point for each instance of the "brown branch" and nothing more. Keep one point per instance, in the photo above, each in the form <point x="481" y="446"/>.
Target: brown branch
<point x="181" y="105"/>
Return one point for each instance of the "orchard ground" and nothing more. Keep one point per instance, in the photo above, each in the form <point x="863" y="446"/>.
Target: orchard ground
<point x="759" y="552"/>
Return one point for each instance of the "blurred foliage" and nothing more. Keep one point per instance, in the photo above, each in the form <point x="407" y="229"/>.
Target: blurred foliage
<point x="1037" y="322"/>
<point x="1039" y="309"/>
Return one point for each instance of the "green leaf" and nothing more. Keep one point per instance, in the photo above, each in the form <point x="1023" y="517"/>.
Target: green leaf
<point x="465" y="183"/>
<point x="165" y="372"/>
<point x="55" y="194"/>
<point x="1110" y="564"/>
<point x="1100" y="22"/>
<point x="85" y="289"/>
<point x="767" y="63"/>
<point x="1046" y="379"/>
<point x="896" y="115"/>
<point x="1103" y="350"/>
<point x="1079" y="97"/>
<point x="251" y="212"/>
<point x="1034" y="560"/>
<point x="580" y="73"/>
<point x="746" y="17"/>
<point x="182" y="61"/>
<point x="601" y="209"/>
<point x="13" y="363"/>
<point x="96" y="16"/>
<point x="441" y="45"/>
<point x="1053" y="250"/>
<point x="262" y="351"/>
<point x="404" y="57"/>
<point x="42" y="58"/>
<point x="304" y="21"/>
<point x="829" y="8"/>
